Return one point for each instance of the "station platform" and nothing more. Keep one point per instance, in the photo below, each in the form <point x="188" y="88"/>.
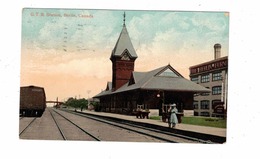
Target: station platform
<point x="192" y="129"/>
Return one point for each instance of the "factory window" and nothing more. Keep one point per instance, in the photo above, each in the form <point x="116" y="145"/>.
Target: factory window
<point x="196" y="105"/>
<point x="205" y="94"/>
<point x="217" y="76"/>
<point x="216" y="90"/>
<point x="204" y="104"/>
<point x="205" y="78"/>
<point x="195" y="79"/>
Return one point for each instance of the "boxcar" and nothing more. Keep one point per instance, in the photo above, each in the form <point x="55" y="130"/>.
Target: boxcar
<point x="32" y="101"/>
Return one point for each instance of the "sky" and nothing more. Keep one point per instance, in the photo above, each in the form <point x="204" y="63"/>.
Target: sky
<point x="67" y="51"/>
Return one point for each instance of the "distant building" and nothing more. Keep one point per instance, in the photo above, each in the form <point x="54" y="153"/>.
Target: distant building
<point x="214" y="76"/>
<point x="152" y="89"/>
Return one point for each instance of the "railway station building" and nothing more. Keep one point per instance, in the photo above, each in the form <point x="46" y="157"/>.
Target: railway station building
<point x="152" y="90"/>
<point x="214" y="76"/>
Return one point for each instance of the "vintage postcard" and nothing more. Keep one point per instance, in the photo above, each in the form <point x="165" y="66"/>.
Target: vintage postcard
<point x="124" y="75"/>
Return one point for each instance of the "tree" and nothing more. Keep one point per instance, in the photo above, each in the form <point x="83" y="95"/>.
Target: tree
<point x="82" y="103"/>
<point x="77" y="103"/>
<point x="97" y="106"/>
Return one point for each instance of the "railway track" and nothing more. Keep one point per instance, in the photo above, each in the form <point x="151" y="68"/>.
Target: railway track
<point x="27" y="125"/>
<point x="153" y="133"/>
<point x="57" y="118"/>
<point x="101" y="131"/>
<point x="57" y="124"/>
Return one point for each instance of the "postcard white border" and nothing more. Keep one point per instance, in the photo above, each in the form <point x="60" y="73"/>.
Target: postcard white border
<point x="243" y="87"/>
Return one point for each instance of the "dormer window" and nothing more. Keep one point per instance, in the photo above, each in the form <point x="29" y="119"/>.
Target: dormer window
<point x="125" y="56"/>
<point x="168" y="73"/>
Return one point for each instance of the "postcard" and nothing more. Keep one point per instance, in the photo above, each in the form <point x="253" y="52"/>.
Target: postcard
<point x="163" y="70"/>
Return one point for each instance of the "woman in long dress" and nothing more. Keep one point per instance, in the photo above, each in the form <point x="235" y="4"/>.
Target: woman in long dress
<point x="173" y="120"/>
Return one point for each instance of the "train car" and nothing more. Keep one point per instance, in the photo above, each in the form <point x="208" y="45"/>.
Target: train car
<point x="32" y="101"/>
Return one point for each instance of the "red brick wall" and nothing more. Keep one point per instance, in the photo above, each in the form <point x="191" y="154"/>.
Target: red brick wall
<point x="121" y="72"/>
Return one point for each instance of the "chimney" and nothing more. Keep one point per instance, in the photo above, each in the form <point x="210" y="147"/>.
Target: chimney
<point x="217" y="51"/>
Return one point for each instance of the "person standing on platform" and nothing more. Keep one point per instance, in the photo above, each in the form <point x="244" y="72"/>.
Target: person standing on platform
<point x="173" y="120"/>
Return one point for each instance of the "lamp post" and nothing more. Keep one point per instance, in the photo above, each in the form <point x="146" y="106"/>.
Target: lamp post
<point x="161" y="110"/>
<point x="159" y="95"/>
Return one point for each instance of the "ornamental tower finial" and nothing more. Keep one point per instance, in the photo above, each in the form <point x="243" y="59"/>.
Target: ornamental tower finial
<point x="124" y="18"/>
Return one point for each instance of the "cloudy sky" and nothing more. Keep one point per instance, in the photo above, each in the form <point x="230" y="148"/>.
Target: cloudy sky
<point x="67" y="51"/>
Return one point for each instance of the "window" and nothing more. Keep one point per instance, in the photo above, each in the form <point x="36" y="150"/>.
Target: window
<point x="217" y="76"/>
<point x="196" y="105"/>
<point x="205" y="94"/>
<point x="168" y="73"/>
<point x="205" y="78"/>
<point x="125" y="55"/>
<point x="204" y="104"/>
<point x="195" y="79"/>
<point x="216" y="90"/>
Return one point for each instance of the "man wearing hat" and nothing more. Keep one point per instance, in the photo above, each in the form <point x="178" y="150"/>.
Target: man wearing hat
<point x="173" y="120"/>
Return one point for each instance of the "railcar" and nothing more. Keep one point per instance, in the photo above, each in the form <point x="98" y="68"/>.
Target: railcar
<point x="32" y="101"/>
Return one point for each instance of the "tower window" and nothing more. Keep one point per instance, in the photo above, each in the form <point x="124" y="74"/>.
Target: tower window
<point x="125" y="56"/>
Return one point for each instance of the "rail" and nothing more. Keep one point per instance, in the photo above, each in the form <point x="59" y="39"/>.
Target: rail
<point x="97" y="139"/>
<point x="26" y="126"/>
<point x="158" y="134"/>
<point x="60" y="130"/>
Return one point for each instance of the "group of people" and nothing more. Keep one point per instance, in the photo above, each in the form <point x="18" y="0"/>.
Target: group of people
<point x="173" y="120"/>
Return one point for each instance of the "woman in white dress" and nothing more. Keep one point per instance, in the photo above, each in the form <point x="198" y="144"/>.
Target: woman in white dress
<point x="173" y="120"/>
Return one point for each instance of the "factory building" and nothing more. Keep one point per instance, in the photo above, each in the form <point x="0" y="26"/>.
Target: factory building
<point x="214" y="76"/>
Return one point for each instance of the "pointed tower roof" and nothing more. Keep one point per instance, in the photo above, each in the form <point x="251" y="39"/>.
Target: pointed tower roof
<point x="124" y="43"/>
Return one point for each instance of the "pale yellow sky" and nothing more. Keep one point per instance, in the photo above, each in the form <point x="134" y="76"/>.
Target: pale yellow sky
<point x="71" y="75"/>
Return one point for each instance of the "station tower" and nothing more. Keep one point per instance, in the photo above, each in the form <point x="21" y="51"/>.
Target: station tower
<point x="123" y="58"/>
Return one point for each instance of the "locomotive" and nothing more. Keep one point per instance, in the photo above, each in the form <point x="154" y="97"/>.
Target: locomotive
<point x="32" y="101"/>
